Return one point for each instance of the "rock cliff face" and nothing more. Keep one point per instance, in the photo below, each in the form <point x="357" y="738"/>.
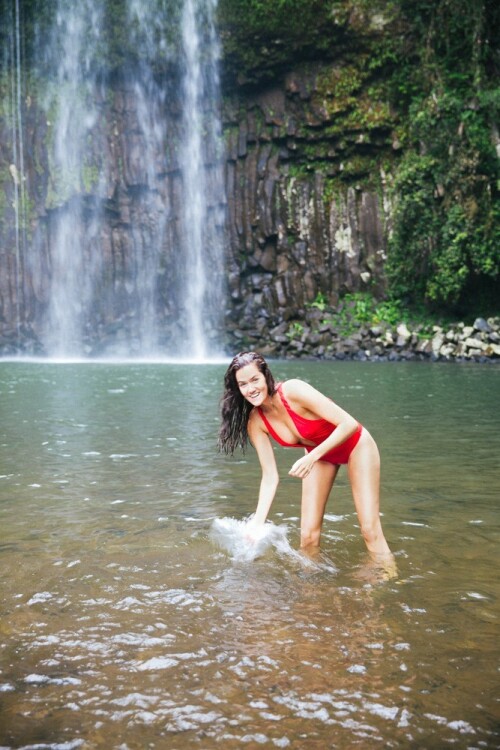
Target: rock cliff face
<point x="308" y="212"/>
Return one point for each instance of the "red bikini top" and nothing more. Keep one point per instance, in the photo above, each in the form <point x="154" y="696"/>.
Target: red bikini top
<point x="315" y="430"/>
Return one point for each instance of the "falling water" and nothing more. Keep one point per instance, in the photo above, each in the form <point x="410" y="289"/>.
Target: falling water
<point x="145" y="31"/>
<point x="166" y="299"/>
<point x="202" y="134"/>
<point x="16" y="168"/>
<point x="75" y="252"/>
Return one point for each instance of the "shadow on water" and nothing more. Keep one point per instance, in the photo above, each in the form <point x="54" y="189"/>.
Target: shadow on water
<point x="126" y="623"/>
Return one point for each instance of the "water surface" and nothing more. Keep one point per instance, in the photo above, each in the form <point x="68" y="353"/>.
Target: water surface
<point x="124" y="624"/>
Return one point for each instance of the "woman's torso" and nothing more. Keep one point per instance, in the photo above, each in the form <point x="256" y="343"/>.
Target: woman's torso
<point x="291" y="429"/>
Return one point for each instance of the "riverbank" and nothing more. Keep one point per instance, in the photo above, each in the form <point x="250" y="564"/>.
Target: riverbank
<point x="340" y="336"/>
<point x="330" y="334"/>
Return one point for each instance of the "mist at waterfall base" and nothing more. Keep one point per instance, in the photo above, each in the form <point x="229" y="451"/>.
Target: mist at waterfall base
<point x="151" y="287"/>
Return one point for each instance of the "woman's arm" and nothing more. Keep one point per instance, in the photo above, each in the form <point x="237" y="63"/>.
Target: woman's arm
<point x="270" y="478"/>
<point x="313" y="403"/>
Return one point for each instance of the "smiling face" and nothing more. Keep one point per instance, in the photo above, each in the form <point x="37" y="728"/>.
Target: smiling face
<point x="252" y="384"/>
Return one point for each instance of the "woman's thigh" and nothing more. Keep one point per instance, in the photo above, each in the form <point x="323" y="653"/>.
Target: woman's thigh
<point x="315" y="491"/>
<point x="364" y="476"/>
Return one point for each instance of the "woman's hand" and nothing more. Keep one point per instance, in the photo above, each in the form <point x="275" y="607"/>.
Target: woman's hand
<point x="303" y="467"/>
<point x="253" y="530"/>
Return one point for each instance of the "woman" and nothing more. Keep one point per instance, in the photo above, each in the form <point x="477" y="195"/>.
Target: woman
<point x="296" y="415"/>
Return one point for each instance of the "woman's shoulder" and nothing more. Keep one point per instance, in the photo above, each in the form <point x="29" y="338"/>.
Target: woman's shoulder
<point x="294" y="386"/>
<point x="291" y="383"/>
<point x="299" y="392"/>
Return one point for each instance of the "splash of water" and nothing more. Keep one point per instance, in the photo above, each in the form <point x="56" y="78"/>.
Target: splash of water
<point x="231" y="535"/>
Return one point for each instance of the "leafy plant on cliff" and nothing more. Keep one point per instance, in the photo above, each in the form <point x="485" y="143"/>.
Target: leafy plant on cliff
<point x="295" y="330"/>
<point x="447" y="207"/>
<point x="446" y="233"/>
<point x="320" y="302"/>
<point x="363" y="309"/>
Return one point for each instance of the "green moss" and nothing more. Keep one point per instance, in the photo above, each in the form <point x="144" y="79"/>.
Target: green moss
<point x="336" y="88"/>
<point x="360" y="165"/>
<point x="90" y="177"/>
<point x="297" y="170"/>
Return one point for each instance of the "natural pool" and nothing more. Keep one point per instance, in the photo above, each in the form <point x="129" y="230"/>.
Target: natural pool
<point x="124" y="625"/>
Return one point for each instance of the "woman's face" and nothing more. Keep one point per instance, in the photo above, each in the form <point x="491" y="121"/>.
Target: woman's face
<point x="252" y="384"/>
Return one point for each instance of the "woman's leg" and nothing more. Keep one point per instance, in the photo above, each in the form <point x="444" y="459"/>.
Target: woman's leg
<point x="315" y="491"/>
<point x="364" y="475"/>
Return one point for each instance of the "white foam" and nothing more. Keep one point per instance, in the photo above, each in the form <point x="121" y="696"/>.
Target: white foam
<point x="232" y="535"/>
<point x="357" y="669"/>
<point x="157" y="662"/>
<point x="43" y="596"/>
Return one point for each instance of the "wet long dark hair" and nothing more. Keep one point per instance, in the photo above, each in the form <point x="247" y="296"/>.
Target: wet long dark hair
<point x="235" y="410"/>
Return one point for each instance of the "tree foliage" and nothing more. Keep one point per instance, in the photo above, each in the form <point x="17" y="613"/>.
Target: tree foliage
<point x="446" y="233"/>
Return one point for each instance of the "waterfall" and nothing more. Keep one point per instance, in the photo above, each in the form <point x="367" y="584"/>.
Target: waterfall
<point x="145" y="33"/>
<point x="134" y="227"/>
<point x="75" y="256"/>
<point x="16" y="167"/>
<point x="202" y="135"/>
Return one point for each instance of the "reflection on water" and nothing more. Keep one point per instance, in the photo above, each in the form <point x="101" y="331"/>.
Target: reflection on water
<point x="125" y="624"/>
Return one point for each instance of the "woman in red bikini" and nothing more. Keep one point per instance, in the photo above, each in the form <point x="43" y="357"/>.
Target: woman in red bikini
<point x="296" y="415"/>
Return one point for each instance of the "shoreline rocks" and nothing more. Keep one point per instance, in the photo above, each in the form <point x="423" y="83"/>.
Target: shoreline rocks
<point x="316" y="337"/>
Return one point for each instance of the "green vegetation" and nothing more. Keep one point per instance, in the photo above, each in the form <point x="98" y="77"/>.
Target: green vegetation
<point x="446" y="238"/>
<point x="446" y="226"/>
<point x="320" y="302"/>
<point x="295" y="330"/>
<point x="363" y="309"/>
